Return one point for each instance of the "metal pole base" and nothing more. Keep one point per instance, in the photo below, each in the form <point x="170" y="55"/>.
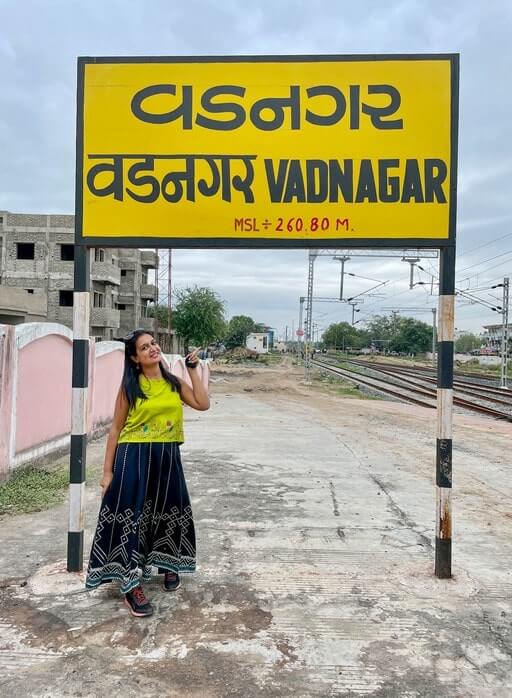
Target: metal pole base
<point x="443" y="568"/>
<point x="75" y="551"/>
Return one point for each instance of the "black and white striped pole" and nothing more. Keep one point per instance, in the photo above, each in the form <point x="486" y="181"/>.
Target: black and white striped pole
<point x="443" y="563"/>
<point x="80" y="381"/>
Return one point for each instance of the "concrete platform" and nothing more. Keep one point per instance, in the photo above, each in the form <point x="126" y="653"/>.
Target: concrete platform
<point x="315" y="520"/>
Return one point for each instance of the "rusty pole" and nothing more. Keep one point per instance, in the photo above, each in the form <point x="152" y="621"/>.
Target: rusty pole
<point x="443" y="561"/>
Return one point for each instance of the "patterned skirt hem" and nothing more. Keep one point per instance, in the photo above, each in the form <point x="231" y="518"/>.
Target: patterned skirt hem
<point x="97" y="579"/>
<point x="112" y="578"/>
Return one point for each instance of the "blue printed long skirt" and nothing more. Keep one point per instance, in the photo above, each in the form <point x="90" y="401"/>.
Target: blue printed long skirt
<point x="145" y="518"/>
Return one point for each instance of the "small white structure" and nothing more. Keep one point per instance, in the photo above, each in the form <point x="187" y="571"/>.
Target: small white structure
<point x="258" y="342"/>
<point x="494" y="335"/>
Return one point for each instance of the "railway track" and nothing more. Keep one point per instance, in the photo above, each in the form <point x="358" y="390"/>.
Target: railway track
<point x="499" y="396"/>
<point x="408" y="388"/>
<point x="458" y="374"/>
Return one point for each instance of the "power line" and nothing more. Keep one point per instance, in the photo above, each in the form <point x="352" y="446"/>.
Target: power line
<point x="469" y="296"/>
<point x="485" y="244"/>
<point x="490" y="259"/>
<point x="482" y="271"/>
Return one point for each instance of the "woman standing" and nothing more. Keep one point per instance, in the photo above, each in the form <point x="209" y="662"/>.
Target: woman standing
<point x="145" y="517"/>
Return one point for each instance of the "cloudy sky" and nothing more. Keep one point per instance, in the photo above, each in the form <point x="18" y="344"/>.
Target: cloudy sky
<point x="39" y="43"/>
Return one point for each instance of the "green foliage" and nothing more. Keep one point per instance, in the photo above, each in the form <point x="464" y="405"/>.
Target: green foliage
<point x="198" y="316"/>
<point x="412" y="337"/>
<point x="161" y="313"/>
<point x="400" y="334"/>
<point x="237" y="330"/>
<point x="382" y="328"/>
<point x="342" y="335"/>
<point x="33" y="489"/>
<point x="467" y="343"/>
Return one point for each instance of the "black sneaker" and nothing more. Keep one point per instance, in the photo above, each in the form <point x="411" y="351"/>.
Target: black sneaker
<point x="138" y="603"/>
<point x="171" y="581"/>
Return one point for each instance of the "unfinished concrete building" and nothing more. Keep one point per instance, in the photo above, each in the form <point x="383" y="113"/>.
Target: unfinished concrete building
<point x="36" y="277"/>
<point x="137" y="293"/>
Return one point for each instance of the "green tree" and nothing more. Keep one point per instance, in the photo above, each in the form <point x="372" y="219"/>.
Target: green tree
<point x="198" y="316"/>
<point x="161" y="313"/>
<point x="342" y="335"/>
<point x="412" y="336"/>
<point x="382" y="328"/>
<point x="238" y="328"/>
<point x="468" y="342"/>
<point x="402" y="334"/>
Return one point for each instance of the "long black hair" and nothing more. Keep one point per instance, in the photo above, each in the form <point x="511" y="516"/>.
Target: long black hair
<point x="132" y="371"/>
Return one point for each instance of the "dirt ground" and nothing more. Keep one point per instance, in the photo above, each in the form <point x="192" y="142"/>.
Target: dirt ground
<point x="287" y="379"/>
<point x="315" y="515"/>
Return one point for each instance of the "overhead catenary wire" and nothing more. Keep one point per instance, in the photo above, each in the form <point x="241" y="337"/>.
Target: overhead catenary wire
<point x="488" y="243"/>
<point x="483" y="271"/>
<point x="469" y="296"/>
<point x="483" y="261"/>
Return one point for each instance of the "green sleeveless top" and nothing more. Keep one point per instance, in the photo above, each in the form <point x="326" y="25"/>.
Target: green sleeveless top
<point x="157" y="419"/>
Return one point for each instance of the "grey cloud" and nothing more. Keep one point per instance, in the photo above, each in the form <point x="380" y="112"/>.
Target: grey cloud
<point x="37" y="111"/>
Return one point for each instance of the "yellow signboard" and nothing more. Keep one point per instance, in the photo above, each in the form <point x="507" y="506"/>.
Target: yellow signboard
<point x="267" y="151"/>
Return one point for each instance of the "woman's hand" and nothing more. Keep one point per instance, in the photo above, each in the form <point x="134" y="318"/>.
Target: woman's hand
<point x="105" y="482"/>
<point x="195" y="396"/>
<point x="191" y="359"/>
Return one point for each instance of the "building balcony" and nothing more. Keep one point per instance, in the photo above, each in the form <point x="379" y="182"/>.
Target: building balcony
<point x="106" y="272"/>
<point x="147" y="323"/>
<point x="126" y="298"/>
<point x="148" y="292"/>
<point x="148" y="258"/>
<point x="105" y="317"/>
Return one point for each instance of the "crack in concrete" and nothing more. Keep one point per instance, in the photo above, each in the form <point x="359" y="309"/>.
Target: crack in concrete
<point x="402" y="516"/>
<point x="335" y="506"/>
<point x="495" y="634"/>
<point x="341" y="533"/>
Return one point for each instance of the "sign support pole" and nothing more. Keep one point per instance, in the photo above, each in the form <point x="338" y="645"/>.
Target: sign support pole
<point x="80" y="381"/>
<point x="443" y="553"/>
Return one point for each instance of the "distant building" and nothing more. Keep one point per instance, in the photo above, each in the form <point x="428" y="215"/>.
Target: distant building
<point x="36" y="277"/>
<point x="258" y="342"/>
<point x="493" y="336"/>
<point x="136" y="294"/>
<point x="18" y="305"/>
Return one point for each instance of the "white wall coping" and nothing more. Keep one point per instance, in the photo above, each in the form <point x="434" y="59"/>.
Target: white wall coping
<point x="30" y="331"/>
<point x="39" y="451"/>
<point x="101" y="348"/>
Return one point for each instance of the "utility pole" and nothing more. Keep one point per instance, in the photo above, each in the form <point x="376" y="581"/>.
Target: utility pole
<point x="169" y="294"/>
<point x="412" y="261"/>
<point x="286" y="333"/>
<point x="309" y="316"/>
<point x="434" y="335"/>
<point x="163" y="282"/>
<point x="300" y="337"/>
<point x="354" y="311"/>
<point x="504" y="335"/>
<point x="394" y="313"/>
<point x="342" y="260"/>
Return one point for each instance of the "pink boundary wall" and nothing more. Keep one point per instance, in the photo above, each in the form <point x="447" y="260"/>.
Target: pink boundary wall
<point x="35" y="389"/>
<point x="43" y="391"/>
